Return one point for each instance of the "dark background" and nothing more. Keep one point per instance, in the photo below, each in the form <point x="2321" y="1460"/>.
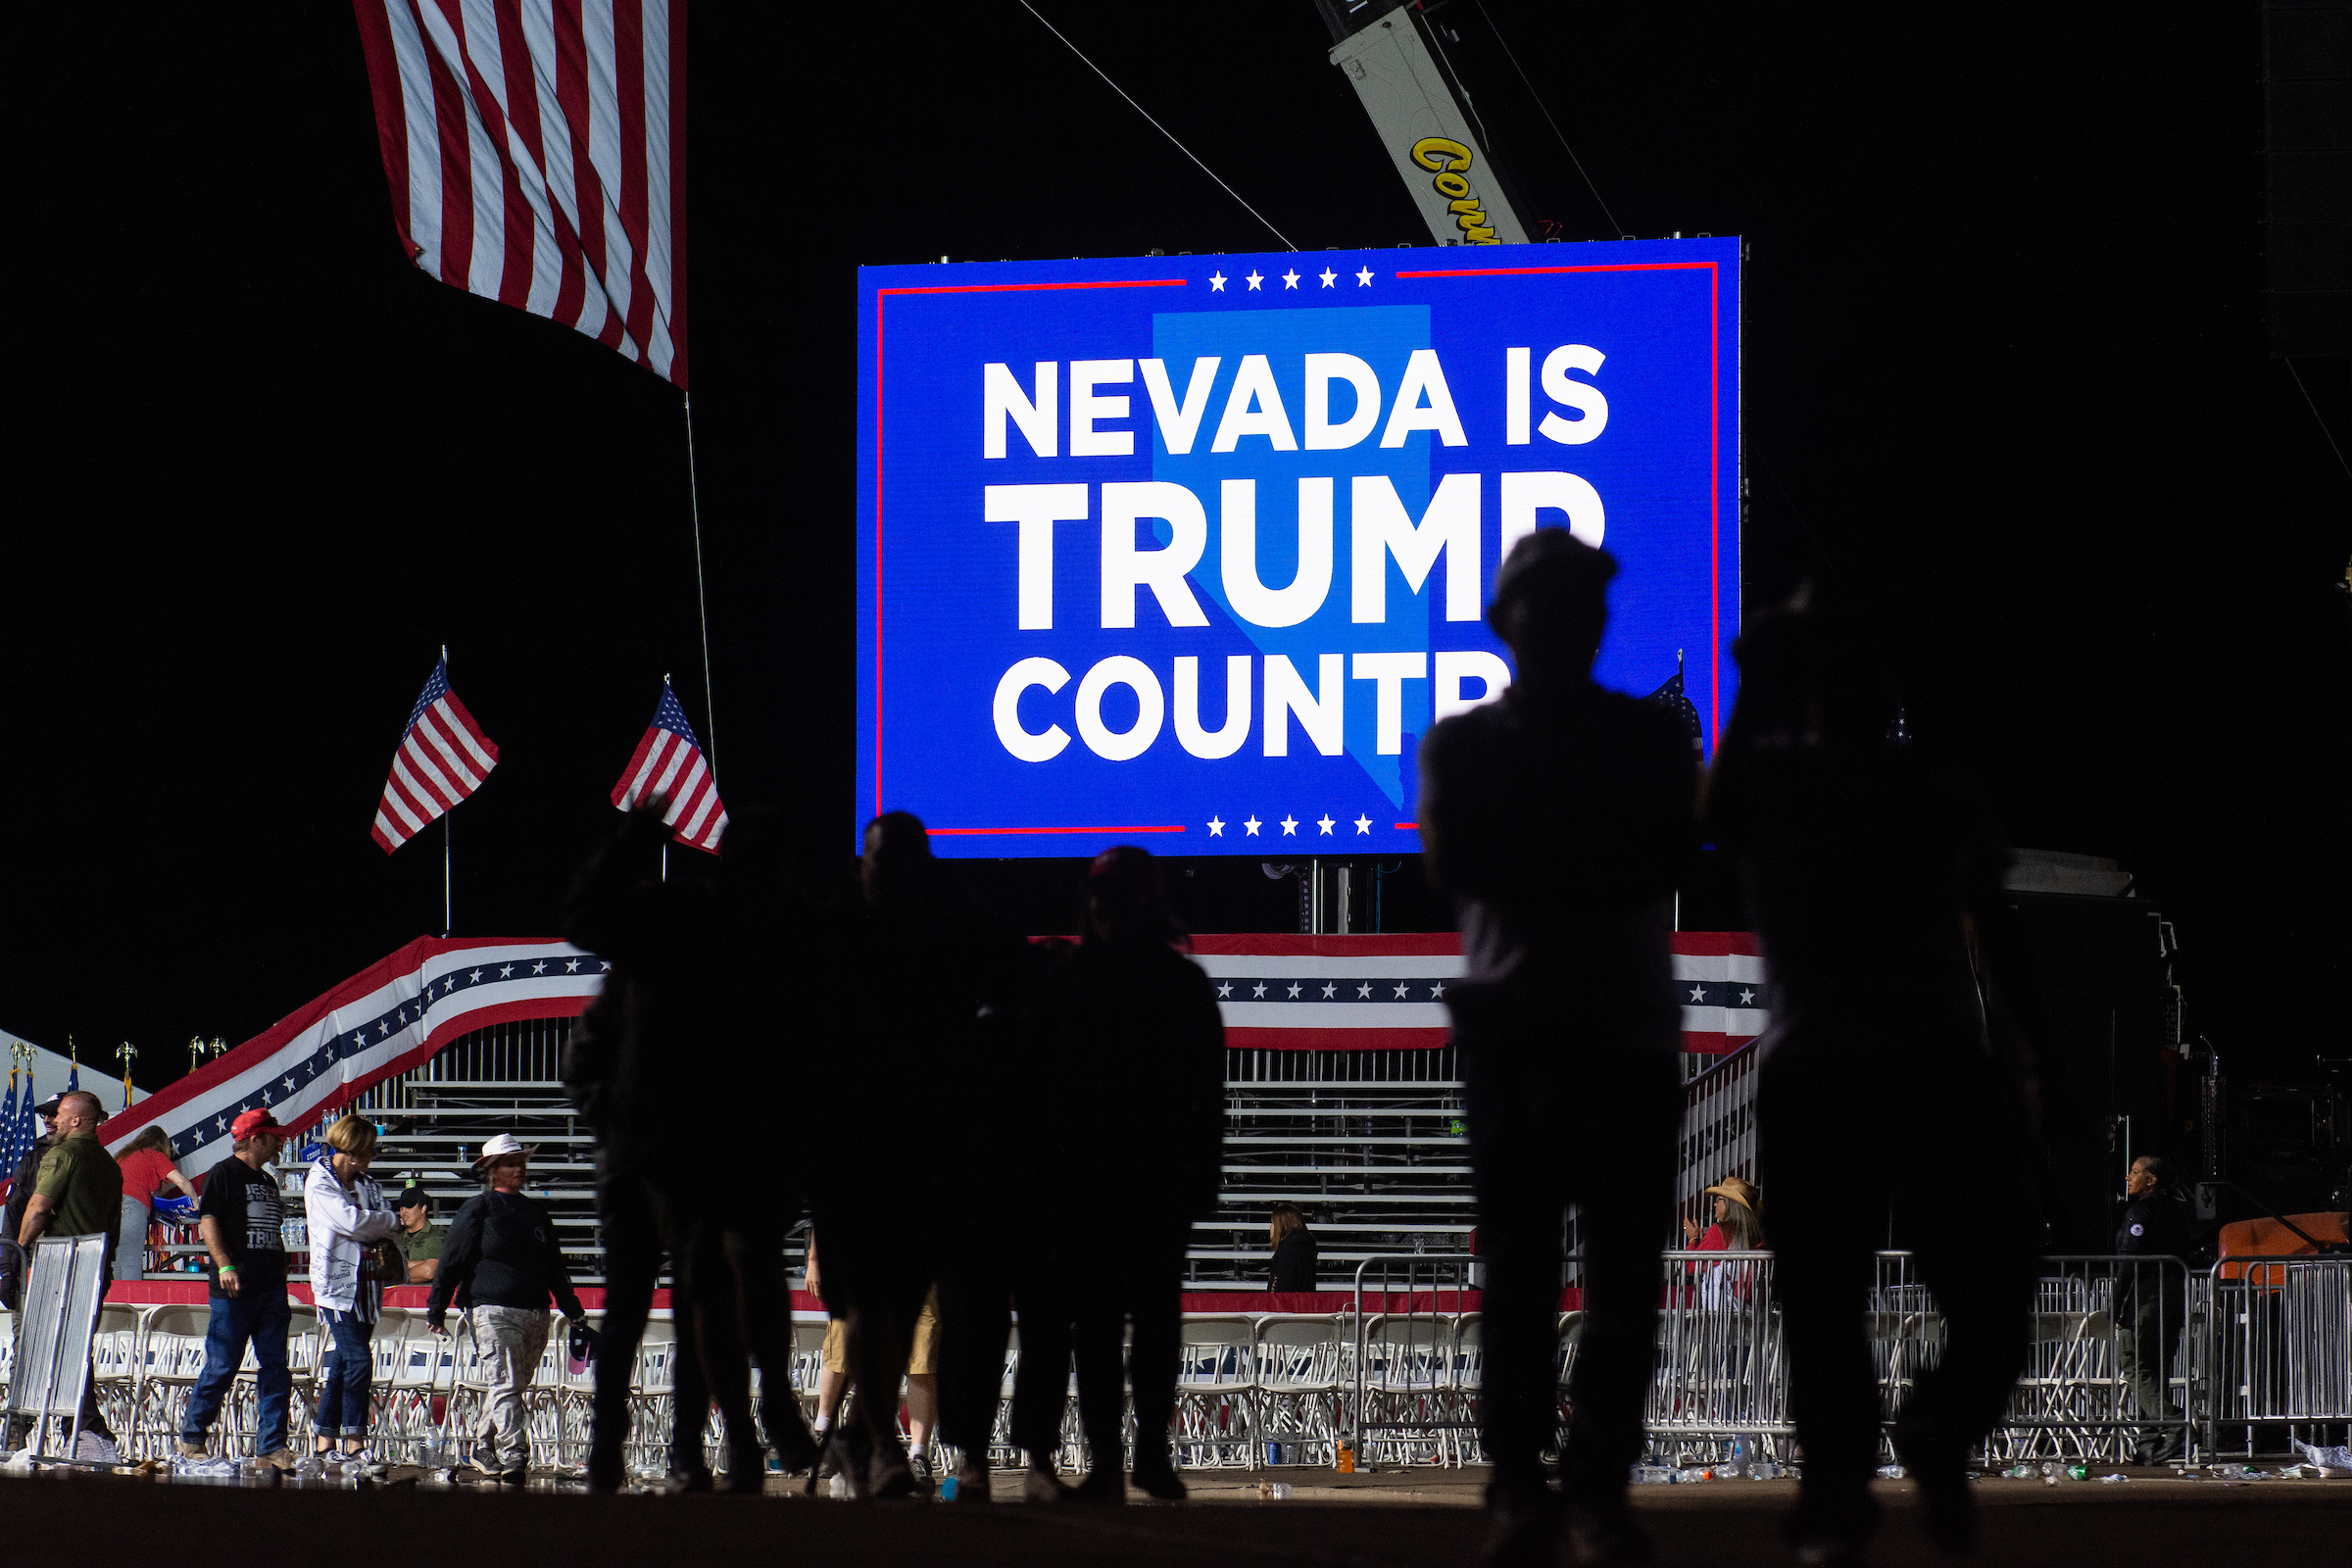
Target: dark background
<point x="2006" y="378"/>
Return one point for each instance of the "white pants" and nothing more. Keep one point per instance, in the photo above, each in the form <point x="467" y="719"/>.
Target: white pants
<point x="511" y="1339"/>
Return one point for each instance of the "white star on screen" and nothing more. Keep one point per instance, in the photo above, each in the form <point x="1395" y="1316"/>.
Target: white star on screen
<point x="1325" y="825"/>
<point x="1363" y="824"/>
<point x="1330" y="990"/>
<point x="1295" y="989"/>
<point x="1699" y="993"/>
<point x="1259" y="989"/>
<point x="1252" y="825"/>
<point x="1290" y="825"/>
<point x="1364" y="279"/>
<point x="1290" y="280"/>
<point x="1330" y="277"/>
<point x="1747" y="996"/>
<point x="1255" y="279"/>
<point x="1225" y="989"/>
<point x="1216" y="829"/>
<point x="1217" y="282"/>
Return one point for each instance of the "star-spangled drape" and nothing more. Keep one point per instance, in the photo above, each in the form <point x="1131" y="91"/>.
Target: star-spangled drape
<point x="378" y="1023"/>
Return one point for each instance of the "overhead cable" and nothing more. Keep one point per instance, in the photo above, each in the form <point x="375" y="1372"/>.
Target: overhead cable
<point x="1155" y="124"/>
<point x="1614" y="227"/>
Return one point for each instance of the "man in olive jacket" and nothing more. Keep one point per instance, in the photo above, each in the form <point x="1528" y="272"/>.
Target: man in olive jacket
<point x="77" y="1193"/>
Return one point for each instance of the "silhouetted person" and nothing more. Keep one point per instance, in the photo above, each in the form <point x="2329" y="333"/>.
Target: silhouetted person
<point x="661" y="1004"/>
<point x="1867" y="870"/>
<point x="928" y="969"/>
<point x="1295" y="1252"/>
<point x="1559" y="817"/>
<point x="2148" y="1302"/>
<point x="1131" y="1027"/>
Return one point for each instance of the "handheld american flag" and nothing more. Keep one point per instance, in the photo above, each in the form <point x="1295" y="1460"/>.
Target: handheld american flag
<point x="442" y="759"/>
<point x="670" y="765"/>
<point x="537" y="151"/>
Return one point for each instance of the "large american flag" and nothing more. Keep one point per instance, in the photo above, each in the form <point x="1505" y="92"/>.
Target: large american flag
<point x="537" y="151"/>
<point x="670" y="765"/>
<point x="1388" y="993"/>
<point x="442" y="759"/>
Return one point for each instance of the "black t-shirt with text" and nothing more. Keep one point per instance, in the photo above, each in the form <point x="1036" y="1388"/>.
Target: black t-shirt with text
<point x="252" y="1219"/>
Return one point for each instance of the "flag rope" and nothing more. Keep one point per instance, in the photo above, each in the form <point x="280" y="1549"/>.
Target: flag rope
<point x="702" y="604"/>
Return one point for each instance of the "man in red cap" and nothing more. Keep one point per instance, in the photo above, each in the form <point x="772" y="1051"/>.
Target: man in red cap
<point x="242" y="1219"/>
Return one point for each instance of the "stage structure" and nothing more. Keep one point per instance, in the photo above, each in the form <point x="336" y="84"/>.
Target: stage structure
<point x="1190" y="550"/>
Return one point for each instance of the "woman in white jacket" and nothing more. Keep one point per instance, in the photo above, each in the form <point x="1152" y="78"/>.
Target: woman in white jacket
<point x="348" y="1217"/>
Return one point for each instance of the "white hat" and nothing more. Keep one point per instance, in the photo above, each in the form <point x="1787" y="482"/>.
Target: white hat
<point x="501" y="1146"/>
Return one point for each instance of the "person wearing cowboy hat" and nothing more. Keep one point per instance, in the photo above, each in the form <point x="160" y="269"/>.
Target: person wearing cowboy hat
<point x="1738" y="1219"/>
<point x="502" y="1256"/>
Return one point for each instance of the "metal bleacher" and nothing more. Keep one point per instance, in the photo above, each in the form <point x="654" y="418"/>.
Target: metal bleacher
<point x="1369" y="1143"/>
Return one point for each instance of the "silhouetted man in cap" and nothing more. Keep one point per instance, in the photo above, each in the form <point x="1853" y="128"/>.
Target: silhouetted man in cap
<point x="1874" y="877"/>
<point x="1558" y="819"/>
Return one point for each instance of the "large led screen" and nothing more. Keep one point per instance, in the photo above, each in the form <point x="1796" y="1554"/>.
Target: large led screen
<point x="1190" y="550"/>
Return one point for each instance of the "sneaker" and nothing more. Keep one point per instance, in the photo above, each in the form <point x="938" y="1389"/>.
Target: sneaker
<point x="925" y="1482"/>
<point x="91" y="1448"/>
<point x="364" y="1462"/>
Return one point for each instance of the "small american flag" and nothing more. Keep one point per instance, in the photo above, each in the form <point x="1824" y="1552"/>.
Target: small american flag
<point x="670" y="765"/>
<point x="442" y="759"/>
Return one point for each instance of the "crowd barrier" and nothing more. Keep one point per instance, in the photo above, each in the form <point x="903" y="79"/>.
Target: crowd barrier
<point x="2237" y="1365"/>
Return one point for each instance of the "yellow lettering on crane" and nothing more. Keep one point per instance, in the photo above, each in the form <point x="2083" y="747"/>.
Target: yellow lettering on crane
<point x="1450" y="159"/>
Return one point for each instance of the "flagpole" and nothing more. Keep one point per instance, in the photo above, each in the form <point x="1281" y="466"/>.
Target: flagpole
<point x="446" y="922"/>
<point x="702" y="605"/>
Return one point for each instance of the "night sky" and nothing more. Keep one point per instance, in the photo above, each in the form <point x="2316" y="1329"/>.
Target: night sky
<point x="2005" y="379"/>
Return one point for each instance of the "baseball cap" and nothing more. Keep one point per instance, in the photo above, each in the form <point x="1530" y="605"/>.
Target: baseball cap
<point x="252" y="1123"/>
<point x="47" y="1108"/>
<point x="410" y="1197"/>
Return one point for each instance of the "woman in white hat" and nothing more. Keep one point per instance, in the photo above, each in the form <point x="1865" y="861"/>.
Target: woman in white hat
<point x="501" y="1255"/>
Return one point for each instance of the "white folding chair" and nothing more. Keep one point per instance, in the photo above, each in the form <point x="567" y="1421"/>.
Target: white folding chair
<point x="1215" y="1373"/>
<point x="1295" y="1394"/>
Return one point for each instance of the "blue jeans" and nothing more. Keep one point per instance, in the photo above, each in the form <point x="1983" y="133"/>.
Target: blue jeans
<point x="343" y="1376"/>
<point x="260" y="1320"/>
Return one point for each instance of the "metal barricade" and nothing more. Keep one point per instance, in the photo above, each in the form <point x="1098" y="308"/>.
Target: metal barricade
<point x="2278" y="1352"/>
<point x="64" y="1289"/>
<point x="2109" y="1349"/>
<point x="1410" y="1403"/>
<point x="1720" y="1375"/>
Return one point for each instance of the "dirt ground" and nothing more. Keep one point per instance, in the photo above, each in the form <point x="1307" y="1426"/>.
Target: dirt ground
<point x="1400" y="1517"/>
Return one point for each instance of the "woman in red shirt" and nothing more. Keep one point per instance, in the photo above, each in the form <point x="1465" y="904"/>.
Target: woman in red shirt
<point x="146" y="1162"/>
